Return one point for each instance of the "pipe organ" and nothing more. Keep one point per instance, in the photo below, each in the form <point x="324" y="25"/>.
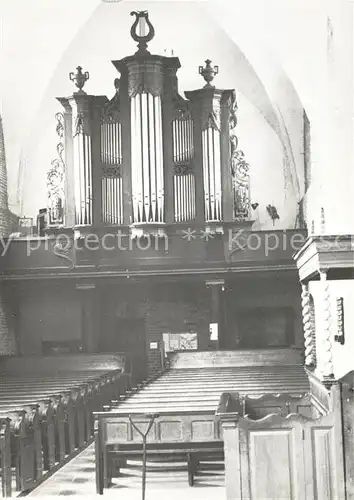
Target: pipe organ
<point x="148" y="155"/>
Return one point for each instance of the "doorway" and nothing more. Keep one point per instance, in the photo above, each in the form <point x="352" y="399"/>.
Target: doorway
<point x="127" y="335"/>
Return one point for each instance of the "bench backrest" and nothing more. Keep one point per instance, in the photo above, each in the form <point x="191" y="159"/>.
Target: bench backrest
<point x="259" y="407"/>
<point x="282" y="404"/>
<point x="64" y="363"/>
<point x="184" y="426"/>
<point x="242" y="357"/>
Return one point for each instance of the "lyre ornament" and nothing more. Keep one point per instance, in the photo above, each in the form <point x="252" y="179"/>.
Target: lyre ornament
<point x="79" y="78"/>
<point x="146" y="37"/>
<point x="208" y="72"/>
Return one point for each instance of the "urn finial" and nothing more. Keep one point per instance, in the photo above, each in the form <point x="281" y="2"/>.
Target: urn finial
<point x="208" y="72"/>
<point x="79" y="78"/>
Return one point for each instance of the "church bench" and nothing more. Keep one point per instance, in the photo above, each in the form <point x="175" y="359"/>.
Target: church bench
<point x="66" y="363"/>
<point x="5" y="457"/>
<point x="52" y="424"/>
<point x="23" y="447"/>
<point x="51" y="413"/>
<point x="87" y="397"/>
<point x="188" y="432"/>
<point x="102" y="386"/>
<point x="73" y="408"/>
<point x="30" y="415"/>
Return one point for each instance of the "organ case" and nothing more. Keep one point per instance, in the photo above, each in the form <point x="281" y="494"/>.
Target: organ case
<point x="149" y="156"/>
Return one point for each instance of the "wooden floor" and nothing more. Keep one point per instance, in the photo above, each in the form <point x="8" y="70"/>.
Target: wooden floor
<point x="77" y="478"/>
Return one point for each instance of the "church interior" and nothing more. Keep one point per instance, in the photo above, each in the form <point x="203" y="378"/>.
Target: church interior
<point x="177" y="258"/>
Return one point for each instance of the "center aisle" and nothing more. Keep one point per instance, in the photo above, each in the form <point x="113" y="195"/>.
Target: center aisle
<point x="77" y="478"/>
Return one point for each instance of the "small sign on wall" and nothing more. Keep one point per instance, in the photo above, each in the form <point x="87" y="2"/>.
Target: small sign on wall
<point x="154" y="345"/>
<point x="213" y="329"/>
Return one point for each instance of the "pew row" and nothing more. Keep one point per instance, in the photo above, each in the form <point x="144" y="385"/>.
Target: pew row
<point x="187" y="433"/>
<point x="50" y="416"/>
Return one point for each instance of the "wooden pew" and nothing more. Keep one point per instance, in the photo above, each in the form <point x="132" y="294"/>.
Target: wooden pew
<point x="187" y="433"/>
<point x="65" y="363"/>
<point x="188" y="399"/>
<point x="23" y="450"/>
<point x="51" y="410"/>
<point x="5" y="457"/>
<point x="67" y="414"/>
<point x="83" y="400"/>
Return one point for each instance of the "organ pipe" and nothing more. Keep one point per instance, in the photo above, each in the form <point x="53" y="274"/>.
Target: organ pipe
<point x="212" y="173"/>
<point x="112" y="200"/>
<point x="184" y="197"/>
<point x="147" y="158"/>
<point x="184" y="181"/>
<point x="111" y="159"/>
<point x="83" y="173"/>
<point x="111" y="142"/>
<point x="183" y="141"/>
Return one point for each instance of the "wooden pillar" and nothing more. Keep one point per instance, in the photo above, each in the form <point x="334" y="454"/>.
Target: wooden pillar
<point x="82" y="127"/>
<point x="89" y="316"/>
<point x="96" y="164"/>
<point x="226" y="174"/>
<point x="167" y="118"/>
<point x="126" y="146"/>
<point x="198" y="168"/>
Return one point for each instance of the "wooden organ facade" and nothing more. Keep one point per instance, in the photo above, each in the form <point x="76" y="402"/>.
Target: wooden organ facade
<point x="150" y="224"/>
<point x="148" y="156"/>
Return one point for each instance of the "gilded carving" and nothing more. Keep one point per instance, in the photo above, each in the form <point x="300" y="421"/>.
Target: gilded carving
<point x="112" y="108"/>
<point x="211" y="115"/>
<point x="56" y="179"/>
<point x="182" y="169"/>
<point x="64" y="248"/>
<point x="79" y="124"/>
<point x="239" y="168"/>
<point x="111" y="171"/>
<point x="182" y="113"/>
<point x="145" y="77"/>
